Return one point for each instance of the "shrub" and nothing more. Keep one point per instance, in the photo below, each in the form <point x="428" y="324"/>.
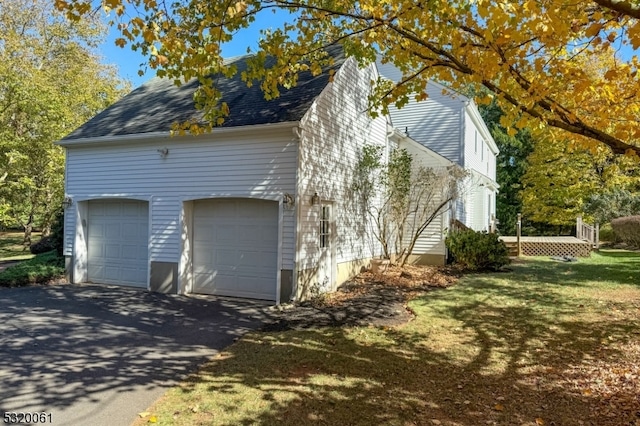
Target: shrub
<point x="627" y="229"/>
<point x="42" y="268"/>
<point x="57" y="233"/>
<point x="607" y="234"/>
<point x="44" y="245"/>
<point x="477" y="250"/>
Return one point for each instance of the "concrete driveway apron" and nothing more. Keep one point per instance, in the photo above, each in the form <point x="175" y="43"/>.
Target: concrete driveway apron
<point x="89" y="354"/>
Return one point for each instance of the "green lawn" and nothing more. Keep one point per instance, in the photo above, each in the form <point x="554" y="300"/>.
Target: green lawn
<point x="547" y="343"/>
<point x="11" y="247"/>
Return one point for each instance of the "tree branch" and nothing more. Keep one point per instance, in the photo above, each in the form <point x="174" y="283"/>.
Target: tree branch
<point x="627" y="8"/>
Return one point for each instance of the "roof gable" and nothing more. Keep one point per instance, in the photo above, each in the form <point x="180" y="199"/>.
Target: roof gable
<point x="157" y="104"/>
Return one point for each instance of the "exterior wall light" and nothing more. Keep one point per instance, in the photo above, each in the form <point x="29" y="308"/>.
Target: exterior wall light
<point x="67" y="202"/>
<point x="163" y="152"/>
<point x="288" y="201"/>
<point x="315" y="199"/>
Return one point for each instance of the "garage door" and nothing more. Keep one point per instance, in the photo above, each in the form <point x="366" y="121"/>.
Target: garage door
<point x="235" y="247"/>
<point x="118" y="239"/>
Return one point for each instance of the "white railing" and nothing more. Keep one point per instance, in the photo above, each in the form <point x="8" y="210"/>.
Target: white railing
<point x="587" y="232"/>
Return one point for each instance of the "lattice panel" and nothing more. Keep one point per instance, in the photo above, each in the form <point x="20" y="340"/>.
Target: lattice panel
<point x="555" y="249"/>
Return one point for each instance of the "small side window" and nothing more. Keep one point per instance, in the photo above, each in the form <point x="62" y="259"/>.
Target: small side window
<point x="325" y="226"/>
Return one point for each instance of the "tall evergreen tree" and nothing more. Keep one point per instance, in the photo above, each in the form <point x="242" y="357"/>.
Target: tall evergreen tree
<point x="511" y="166"/>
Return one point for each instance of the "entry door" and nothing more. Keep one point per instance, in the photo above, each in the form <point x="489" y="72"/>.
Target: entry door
<point x="326" y="266"/>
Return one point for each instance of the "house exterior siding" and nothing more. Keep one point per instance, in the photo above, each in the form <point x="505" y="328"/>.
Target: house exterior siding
<point x="430" y="247"/>
<point x="436" y="122"/>
<point x="480" y="159"/>
<point x="450" y="124"/>
<point x="332" y="134"/>
<point x="244" y="164"/>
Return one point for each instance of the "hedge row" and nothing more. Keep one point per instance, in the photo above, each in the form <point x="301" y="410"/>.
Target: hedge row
<point x="627" y="229"/>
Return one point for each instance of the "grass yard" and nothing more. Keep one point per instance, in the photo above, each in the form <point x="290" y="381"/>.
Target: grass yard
<point x="11" y="247"/>
<point x="545" y="344"/>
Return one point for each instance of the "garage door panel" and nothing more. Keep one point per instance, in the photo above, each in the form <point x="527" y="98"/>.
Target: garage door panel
<point x="118" y="242"/>
<point x="96" y="271"/>
<point x="238" y="256"/>
<point x="225" y="258"/>
<point x="225" y="233"/>
<point x="113" y="252"/>
<point x="130" y="251"/>
<point x="268" y="234"/>
<point x="130" y="231"/>
<point x="97" y="231"/>
<point x="112" y="230"/>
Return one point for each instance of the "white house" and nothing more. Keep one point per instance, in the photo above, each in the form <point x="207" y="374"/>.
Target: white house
<point x="262" y="207"/>
<point x="450" y="124"/>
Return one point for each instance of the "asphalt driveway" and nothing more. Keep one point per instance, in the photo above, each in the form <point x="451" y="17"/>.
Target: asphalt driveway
<point x="99" y="355"/>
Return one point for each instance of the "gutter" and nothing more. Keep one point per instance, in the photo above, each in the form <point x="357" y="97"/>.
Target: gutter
<point x="155" y="136"/>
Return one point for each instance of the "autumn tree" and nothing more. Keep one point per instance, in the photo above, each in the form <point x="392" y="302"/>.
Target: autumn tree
<point x="562" y="175"/>
<point x="530" y="54"/>
<point x="51" y="82"/>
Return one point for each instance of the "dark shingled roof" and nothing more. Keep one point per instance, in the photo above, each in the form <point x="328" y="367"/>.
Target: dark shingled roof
<point x="158" y="103"/>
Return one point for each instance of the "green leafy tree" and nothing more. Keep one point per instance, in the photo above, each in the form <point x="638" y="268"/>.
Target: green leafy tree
<point x="614" y="203"/>
<point x="511" y="166"/>
<point x="52" y="80"/>
<point x="562" y="176"/>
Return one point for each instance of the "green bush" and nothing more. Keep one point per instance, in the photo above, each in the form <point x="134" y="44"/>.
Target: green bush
<point x="42" y="246"/>
<point x="607" y="234"/>
<point x="627" y="229"/>
<point x="57" y="233"/>
<point x="477" y="250"/>
<point x="42" y="268"/>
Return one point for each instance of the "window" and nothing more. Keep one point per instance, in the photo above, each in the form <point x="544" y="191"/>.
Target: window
<point x="325" y="226"/>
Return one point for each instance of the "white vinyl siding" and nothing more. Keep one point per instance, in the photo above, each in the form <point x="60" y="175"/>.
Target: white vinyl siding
<point x="436" y="122"/>
<point x="432" y="239"/>
<point x="474" y="155"/>
<point x="261" y="165"/>
<point x="333" y="133"/>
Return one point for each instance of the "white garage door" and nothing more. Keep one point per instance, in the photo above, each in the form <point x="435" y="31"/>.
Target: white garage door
<point x="235" y="247"/>
<point x="118" y="239"/>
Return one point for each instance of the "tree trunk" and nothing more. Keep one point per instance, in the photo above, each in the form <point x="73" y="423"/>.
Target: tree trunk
<point x="28" y="229"/>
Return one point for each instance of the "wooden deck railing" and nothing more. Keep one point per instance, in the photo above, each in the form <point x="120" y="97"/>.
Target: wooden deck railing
<point x="587" y="232"/>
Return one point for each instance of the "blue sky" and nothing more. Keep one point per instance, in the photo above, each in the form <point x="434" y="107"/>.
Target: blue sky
<point x="128" y="61"/>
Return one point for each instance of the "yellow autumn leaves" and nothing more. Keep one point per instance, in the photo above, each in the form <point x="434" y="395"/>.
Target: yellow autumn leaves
<point x="559" y="63"/>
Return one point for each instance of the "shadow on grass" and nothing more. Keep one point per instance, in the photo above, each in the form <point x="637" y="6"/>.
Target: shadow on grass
<point x="488" y="351"/>
<point x="11" y="244"/>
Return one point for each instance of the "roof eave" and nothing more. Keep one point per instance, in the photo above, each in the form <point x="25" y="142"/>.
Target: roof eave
<point x="155" y="136"/>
